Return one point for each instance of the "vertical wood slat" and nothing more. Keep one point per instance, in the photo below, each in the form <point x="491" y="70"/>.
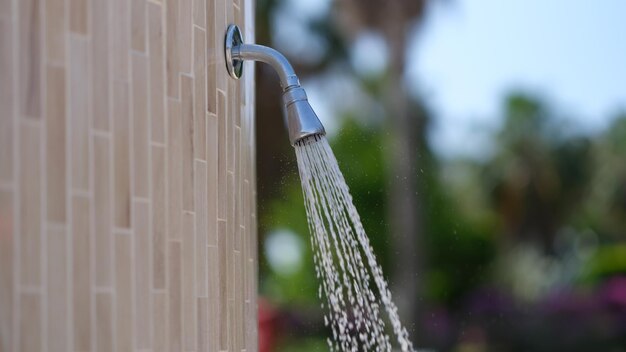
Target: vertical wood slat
<point x="229" y="269"/>
<point x="201" y="228"/>
<point x="30" y="54"/>
<point x="212" y="179"/>
<point x="221" y="156"/>
<point x="119" y="36"/>
<point x="57" y="290"/>
<point x="7" y="264"/>
<point x="172" y="49"/>
<point x="7" y="68"/>
<point x="175" y="299"/>
<point x="199" y="13"/>
<point x="222" y="273"/>
<point x="189" y="302"/>
<point x="214" y="290"/>
<point x="159" y="213"/>
<point x="229" y="121"/>
<point x="5" y="8"/>
<point x="79" y="111"/>
<point x="123" y="293"/>
<point x="104" y="321"/>
<point x="220" y="22"/>
<point x="238" y="194"/>
<point x="160" y="326"/>
<point x="157" y="69"/>
<point x="81" y="272"/>
<point x="56" y="20"/>
<point x="142" y="292"/>
<point x="141" y="126"/>
<point x="102" y="211"/>
<point x="30" y="322"/>
<point x="213" y="54"/>
<point x="30" y="174"/>
<point x="138" y="25"/>
<point x="78" y="16"/>
<point x="56" y="162"/>
<point x="121" y="159"/>
<point x="199" y="107"/>
<point x="185" y="25"/>
<point x="174" y="169"/>
<point x="100" y="60"/>
<point x="202" y="310"/>
<point x="187" y="141"/>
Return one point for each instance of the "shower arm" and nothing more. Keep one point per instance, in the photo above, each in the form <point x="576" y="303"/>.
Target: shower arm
<point x="300" y="117"/>
<point x="254" y="52"/>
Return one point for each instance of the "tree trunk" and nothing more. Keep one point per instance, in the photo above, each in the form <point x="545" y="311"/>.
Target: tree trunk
<point x="403" y="204"/>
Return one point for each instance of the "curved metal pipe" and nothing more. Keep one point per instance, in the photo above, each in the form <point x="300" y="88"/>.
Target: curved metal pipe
<point x="271" y="57"/>
<point x="301" y="119"/>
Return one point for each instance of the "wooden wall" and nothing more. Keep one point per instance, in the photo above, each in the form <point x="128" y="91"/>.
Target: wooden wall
<point x="127" y="181"/>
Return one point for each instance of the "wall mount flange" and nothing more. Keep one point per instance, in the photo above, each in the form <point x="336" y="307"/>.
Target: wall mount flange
<point x="233" y="39"/>
<point x="301" y="119"/>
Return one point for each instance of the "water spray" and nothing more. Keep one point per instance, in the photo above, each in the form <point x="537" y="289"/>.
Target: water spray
<point x="346" y="266"/>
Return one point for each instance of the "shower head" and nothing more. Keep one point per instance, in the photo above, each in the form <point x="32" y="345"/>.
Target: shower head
<point x="301" y="119"/>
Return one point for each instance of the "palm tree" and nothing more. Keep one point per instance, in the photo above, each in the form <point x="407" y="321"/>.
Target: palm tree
<point x="405" y="124"/>
<point x="394" y="19"/>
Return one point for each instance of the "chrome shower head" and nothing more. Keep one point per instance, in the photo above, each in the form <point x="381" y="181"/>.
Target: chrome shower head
<point x="301" y="119"/>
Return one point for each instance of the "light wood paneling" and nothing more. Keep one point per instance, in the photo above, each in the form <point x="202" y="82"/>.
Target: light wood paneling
<point x="127" y="214"/>
<point x="141" y="126"/>
<point x="81" y="272"/>
<point x="121" y="155"/>
<point x="159" y="213"/>
<point x="7" y="265"/>
<point x="104" y="322"/>
<point x="55" y="144"/>
<point x="30" y="205"/>
<point x="102" y="211"/>
<point x="58" y="289"/>
<point x="30" y="46"/>
<point x="7" y="97"/>
<point x="100" y="58"/>
<point x="124" y="325"/>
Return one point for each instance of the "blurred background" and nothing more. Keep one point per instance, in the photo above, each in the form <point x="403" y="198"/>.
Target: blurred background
<point x="484" y="143"/>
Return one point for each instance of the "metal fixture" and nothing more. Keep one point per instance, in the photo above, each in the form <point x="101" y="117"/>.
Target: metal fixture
<point x="301" y="119"/>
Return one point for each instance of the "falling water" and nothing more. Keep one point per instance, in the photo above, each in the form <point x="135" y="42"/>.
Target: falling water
<point x="344" y="261"/>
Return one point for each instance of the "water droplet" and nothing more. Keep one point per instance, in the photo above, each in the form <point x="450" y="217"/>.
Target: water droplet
<point x="344" y="259"/>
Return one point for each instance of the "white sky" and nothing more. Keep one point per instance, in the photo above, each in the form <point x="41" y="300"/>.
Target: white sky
<point x="470" y="53"/>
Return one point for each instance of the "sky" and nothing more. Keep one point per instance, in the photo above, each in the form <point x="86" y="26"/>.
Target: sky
<point x="469" y="54"/>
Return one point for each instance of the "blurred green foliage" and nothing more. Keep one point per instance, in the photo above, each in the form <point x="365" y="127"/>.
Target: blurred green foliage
<point x="525" y="247"/>
<point x="545" y="186"/>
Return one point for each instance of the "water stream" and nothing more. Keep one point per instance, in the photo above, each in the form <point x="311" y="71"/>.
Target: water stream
<point x="344" y="260"/>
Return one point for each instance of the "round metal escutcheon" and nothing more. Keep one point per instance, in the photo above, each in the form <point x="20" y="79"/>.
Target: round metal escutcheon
<point x="233" y="39"/>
